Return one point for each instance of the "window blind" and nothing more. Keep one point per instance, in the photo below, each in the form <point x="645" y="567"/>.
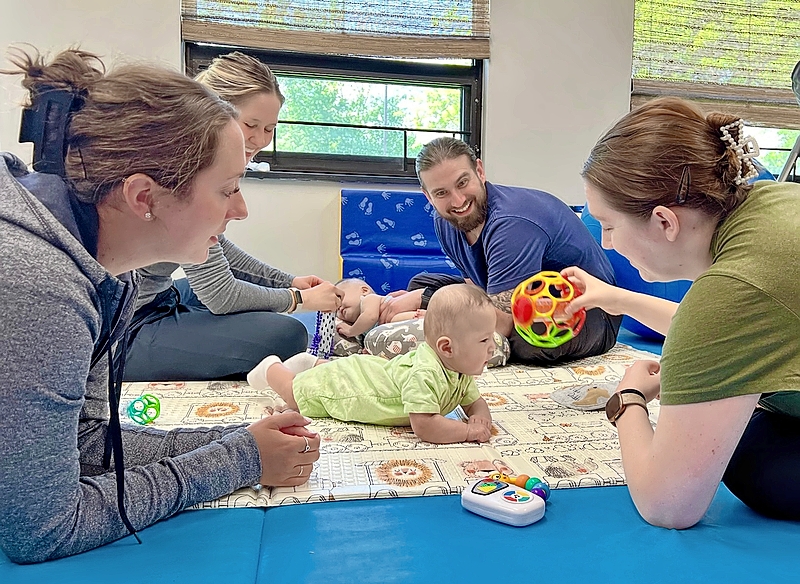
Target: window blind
<point x="727" y="55"/>
<point x="384" y="28"/>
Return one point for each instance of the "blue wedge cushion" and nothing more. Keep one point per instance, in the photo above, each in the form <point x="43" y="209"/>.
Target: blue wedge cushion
<point x="387" y="237"/>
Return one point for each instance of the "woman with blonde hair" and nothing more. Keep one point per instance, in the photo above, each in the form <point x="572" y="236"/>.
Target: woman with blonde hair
<point x="224" y="317"/>
<point x="133" y="167"/>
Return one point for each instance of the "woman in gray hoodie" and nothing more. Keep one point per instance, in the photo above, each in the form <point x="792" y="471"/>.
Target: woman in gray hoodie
<point x="133" y="167"/>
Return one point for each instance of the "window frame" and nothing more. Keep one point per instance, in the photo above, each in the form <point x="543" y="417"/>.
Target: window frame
<point x="343" y="167"/>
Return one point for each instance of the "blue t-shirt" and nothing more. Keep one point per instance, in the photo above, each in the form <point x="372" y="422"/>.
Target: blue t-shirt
<point x="526" y="231"/>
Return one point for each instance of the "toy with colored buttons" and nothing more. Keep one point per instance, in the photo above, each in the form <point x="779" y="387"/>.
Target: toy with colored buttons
<point x="144" y="409"/>
<point x="538" y="306"/>
<point x="533" y="484"/>
<point x="502" y="501"/>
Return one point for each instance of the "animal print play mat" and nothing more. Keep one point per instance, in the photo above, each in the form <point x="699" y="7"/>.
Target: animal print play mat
<point x="548" y="423"/>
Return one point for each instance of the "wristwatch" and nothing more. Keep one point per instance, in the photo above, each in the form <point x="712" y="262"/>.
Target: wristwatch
<point x="426" y="297"/>
<point x="616" y="404"/>
<point x="297" y="297"/>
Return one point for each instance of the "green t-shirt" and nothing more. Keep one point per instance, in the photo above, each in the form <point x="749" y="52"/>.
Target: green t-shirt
<point x="737" y="330"/>
<point x="372" y="390"/>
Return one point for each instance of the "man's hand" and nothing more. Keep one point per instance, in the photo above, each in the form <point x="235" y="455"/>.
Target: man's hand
<point x="400" y="301"/>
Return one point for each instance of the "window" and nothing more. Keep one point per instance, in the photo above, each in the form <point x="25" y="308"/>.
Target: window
<point x="776" y="147"/>
<point x="730" y="55"/>
<point x="367" y="83"/>
<point x="361" y="118"/>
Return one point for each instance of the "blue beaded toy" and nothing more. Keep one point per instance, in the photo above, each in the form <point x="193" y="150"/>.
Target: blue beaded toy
<point x="322" y="341"/>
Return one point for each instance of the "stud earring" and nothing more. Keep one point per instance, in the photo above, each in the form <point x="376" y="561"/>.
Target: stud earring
<point x="148" y="215"/>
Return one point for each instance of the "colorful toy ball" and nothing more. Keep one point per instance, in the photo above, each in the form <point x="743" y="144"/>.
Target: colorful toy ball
<point x="144" y="409"/>
<point x="538" y="305"/>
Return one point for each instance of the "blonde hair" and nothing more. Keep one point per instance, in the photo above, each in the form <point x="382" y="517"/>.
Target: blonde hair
<point x="448" y="306"/>
<point x="354" y="282"/>
<point x="137" y="119"/>
<point x="668" y="152"/>
<point x="236" y="77"/>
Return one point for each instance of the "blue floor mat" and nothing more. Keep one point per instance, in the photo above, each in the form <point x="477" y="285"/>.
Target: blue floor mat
<point x="193" y="547"/>
<point x="586" y="535"/>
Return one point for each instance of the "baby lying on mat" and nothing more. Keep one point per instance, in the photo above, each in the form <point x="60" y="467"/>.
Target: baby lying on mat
<point x="361" y="308"/>
<point x="358" y="330"/>
<point x="418" y="388"/>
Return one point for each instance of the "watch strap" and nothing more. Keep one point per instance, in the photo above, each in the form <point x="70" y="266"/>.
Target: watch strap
<point x="635" y="392"/>
<point x="426" y="297"/>
<point x="626" y="397"/>
<point x="297" y="299"/>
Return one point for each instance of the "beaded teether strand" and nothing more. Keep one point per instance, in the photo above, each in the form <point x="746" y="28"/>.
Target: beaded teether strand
<point x="322" y="341"/>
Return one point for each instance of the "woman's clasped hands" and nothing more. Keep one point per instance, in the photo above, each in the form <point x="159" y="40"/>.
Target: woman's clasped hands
<point x="288" y="450"/>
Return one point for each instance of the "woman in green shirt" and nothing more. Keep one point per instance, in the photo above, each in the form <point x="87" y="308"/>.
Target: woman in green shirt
<point x="671" y="189"/>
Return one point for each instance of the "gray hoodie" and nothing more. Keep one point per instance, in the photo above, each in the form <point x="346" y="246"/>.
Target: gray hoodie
<point x="61" y="310"/>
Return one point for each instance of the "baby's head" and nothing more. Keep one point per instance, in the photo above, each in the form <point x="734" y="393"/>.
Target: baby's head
<point x="354" y="289"/>
<point x="459" y="326"/>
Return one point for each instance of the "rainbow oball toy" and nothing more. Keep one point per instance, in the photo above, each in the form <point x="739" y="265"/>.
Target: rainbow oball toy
<point x="144" y="409"/>
<point x="538" y="308"/>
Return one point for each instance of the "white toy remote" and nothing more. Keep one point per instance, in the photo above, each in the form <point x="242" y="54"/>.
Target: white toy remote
<point x="503" y="502"/>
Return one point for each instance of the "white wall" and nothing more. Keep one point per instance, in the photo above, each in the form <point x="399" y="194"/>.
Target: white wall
<point x="114" y="29"/>
<point x="558" y="77"/>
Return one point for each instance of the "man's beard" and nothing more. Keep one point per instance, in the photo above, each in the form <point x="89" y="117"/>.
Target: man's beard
<point x="474" y="219"/>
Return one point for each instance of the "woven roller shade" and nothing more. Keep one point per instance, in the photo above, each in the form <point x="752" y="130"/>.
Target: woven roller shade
<point x="388" y="28"/>
<point x="726" y="55"/>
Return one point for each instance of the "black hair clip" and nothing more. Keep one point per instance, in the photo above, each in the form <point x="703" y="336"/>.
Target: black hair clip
<point x="683" y="186"/>
<point x="45" y="124"/>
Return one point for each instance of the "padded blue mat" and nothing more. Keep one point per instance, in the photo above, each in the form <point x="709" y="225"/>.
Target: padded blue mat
<point x="388" y="237"/>
<point x="221" y="545"/>
<point x="587" y="535"/>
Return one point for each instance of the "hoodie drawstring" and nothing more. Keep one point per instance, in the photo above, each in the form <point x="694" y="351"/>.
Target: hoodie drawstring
<point x="115" y="373"/>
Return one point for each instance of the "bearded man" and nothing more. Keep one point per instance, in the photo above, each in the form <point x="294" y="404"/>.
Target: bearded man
<point x="499" y="236"/>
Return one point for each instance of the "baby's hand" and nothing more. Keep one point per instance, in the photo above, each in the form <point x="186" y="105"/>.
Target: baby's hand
<point x="343" y="329"/>
<point x="478" y="432"/>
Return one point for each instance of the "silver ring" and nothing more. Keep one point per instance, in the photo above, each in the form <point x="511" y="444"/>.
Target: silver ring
<point x="308" y="446"/>
<point x="300" y="473"/>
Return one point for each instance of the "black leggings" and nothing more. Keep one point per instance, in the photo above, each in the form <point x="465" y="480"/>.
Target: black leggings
<point x="764" y="472"/>
<point x="598" y="335"/>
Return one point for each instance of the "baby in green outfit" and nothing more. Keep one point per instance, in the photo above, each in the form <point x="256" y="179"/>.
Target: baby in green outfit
<point x="418" y="388"/>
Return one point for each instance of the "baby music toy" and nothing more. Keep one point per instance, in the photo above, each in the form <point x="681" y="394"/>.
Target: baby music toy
<point x="538" y="308"/>
<point x="515" y="500"/>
